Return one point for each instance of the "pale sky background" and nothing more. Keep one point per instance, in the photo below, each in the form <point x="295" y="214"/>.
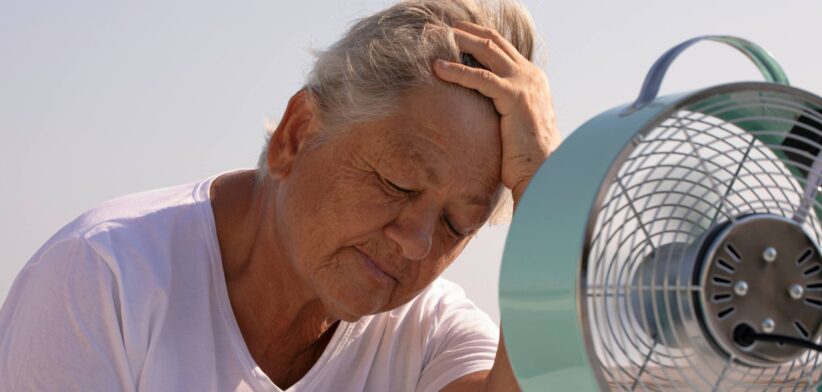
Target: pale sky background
<point x="104" y="98"/>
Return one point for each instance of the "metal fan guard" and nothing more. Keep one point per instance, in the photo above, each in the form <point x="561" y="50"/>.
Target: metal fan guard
<point x="674" y="347"/>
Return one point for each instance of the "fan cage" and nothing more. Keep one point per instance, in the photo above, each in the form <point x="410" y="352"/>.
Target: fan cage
<point x="716" y="156"/>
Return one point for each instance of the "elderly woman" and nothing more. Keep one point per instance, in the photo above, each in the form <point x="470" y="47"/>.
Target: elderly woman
<point x="319" y="270"/>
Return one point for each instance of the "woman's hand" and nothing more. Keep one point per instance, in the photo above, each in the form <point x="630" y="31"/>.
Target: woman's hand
<point x="521" y="96"/>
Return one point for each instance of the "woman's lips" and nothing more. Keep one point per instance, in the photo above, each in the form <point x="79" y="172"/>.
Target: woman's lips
<point x="375" y="268"/>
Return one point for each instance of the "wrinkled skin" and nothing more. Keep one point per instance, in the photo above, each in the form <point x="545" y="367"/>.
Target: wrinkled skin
<point x="374" y="214"/>
<point x="364" y="220"/>
<point x="353" y="222"/>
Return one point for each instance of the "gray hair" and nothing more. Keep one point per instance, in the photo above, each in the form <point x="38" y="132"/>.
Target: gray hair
<point x="386" y="55"/>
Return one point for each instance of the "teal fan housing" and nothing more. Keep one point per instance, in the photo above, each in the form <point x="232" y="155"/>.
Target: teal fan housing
<point x="673" y="244"/>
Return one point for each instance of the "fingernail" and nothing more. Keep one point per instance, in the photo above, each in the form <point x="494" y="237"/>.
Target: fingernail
<point x="441" y="63"/>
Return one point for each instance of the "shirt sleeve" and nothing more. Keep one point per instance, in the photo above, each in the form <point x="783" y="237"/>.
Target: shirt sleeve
<point x="463" y="340"/>
<point x="59" y="326"/>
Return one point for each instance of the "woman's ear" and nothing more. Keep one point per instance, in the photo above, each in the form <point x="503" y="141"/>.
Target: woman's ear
<point x="290" y="135"/>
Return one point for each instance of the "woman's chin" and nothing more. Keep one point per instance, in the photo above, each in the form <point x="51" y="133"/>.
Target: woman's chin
<point x="360" y="293"/>
<point x="352" y="305"/>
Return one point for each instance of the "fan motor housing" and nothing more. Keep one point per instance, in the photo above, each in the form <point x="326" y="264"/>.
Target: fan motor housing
<point x="757" y="270"/>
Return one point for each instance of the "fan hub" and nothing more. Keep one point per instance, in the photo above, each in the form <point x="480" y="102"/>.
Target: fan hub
<point x="757" y="270"/>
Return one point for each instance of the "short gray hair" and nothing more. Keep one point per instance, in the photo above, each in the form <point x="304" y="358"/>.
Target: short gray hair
<point x="362" y="76"/>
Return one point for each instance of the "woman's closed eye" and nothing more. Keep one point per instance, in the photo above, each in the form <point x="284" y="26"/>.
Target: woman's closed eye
<point x="395" y="189"/>
<point x="452" y="229"/>
<point x="391" y="186"/>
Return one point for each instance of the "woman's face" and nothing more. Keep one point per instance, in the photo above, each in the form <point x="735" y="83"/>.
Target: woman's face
<point x="371" y="216"/>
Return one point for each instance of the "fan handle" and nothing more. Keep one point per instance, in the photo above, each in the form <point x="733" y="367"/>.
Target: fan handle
<point x="760" y="57"/>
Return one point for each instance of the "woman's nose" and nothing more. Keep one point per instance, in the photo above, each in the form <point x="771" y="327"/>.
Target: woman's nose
<point x="413" y="230"/>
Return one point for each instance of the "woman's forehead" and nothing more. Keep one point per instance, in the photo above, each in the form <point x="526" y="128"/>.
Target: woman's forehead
<point x="435" y="135"/>
<point x="445" y="116"/>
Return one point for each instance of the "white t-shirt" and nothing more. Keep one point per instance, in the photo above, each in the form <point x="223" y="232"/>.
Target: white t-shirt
<point x="131" y="296"/>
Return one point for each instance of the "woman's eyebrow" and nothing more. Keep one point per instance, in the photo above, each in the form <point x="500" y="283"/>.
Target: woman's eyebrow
<point x="422" y="157"/>
<point x="432" y="175"/>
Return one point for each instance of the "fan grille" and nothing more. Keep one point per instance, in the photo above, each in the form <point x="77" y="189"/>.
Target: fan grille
<point x="706" y="164"/>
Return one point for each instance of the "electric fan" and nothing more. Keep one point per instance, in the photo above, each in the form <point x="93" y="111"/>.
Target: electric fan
<point x="673" y="244"/>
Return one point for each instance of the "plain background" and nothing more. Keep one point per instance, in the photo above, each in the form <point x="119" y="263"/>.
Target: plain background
<point x="104" y="98"/>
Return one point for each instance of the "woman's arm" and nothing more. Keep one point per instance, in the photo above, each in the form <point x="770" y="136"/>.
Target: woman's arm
<point x="499" y="378"/>
<point x="59" y="326"/>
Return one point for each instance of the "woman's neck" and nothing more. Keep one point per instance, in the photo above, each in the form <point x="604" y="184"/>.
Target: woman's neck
<point x="285" y="327"/>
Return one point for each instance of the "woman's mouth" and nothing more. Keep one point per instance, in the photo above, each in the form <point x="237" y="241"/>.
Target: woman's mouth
<point x="375" y="269"/>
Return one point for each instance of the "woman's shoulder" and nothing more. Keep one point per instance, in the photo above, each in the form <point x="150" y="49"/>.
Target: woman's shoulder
<point x="135" y="209"/>
<point x="136" y="218"/>
<point x="136" y="236"/>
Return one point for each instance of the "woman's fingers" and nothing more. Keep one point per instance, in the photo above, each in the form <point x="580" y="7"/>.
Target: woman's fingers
<point x="486" y="51"/>
<point x="521" y="96"/>
<point x="482" y="80"/>
<point x="494" y="36"/>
